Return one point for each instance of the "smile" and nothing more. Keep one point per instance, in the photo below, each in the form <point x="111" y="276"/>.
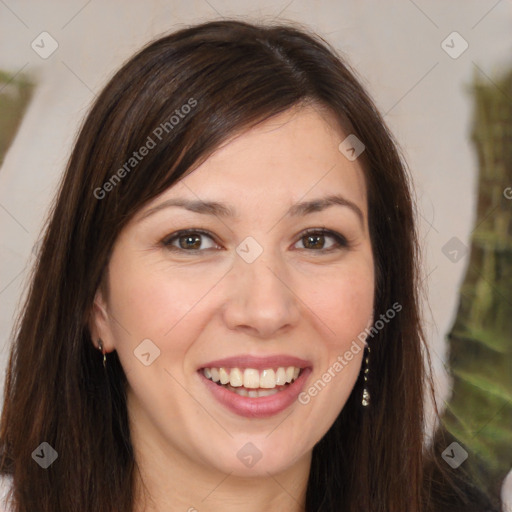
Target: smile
<point x="251" y="382"/>
<point x="255" y="387"/>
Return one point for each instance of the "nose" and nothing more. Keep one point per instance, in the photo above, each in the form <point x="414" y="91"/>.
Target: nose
<point x="260" y="297"/>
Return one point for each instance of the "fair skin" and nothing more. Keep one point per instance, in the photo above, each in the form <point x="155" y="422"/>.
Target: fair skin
<point x="300" y="297"/>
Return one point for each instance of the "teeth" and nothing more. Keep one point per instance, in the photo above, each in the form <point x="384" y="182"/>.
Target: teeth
<point x="236" y="378"/>
<point x="280" y="376"/>
<point x="253" y="393"/>
<point x="268" y="379"/>
<point x="250" y="379"/>
<point x="224" y="376"/>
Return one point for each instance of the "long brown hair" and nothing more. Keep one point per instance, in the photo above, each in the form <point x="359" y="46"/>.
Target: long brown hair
<point x="232" y="75"/>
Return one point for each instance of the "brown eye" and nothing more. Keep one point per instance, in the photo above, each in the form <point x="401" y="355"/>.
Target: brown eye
<point x="188" y="241"/>
<point x="316" y="240"/>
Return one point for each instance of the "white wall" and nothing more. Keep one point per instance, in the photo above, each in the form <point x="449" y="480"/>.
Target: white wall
<point x="395" y="46"/>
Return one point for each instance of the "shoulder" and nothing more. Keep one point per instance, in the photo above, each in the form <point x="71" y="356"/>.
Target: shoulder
<point x="5" y="487"/>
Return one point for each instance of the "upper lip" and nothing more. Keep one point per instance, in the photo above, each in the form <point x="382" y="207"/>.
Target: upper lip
<point x="258" y="363"/>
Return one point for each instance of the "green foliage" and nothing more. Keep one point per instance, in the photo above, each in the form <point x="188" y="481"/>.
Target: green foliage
<point x="479" y="413"/>
<point x="15" y="94"/>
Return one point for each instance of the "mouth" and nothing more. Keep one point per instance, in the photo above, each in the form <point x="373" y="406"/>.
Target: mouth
<point x="251" y="382"/>
<point x="256" y="387"/>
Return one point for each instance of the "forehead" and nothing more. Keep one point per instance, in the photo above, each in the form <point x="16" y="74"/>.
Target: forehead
<point x="291" y="157"/>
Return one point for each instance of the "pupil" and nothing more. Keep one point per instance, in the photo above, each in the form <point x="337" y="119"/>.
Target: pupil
<point x="191" y="238"/>
<point x="312" y="238"/>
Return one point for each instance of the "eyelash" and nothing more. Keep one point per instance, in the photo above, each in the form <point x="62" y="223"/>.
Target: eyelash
<point x="340" y="241"/>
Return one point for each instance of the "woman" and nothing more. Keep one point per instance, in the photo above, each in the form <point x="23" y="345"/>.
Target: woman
<point x="224" y="314"/>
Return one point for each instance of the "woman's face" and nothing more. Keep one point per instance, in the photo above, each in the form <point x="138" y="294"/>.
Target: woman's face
<point x="247" y="297"/>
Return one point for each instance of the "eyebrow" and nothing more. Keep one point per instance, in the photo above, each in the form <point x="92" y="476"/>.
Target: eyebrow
<point x="223" y="210"/>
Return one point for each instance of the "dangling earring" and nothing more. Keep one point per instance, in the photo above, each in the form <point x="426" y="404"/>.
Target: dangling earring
<point x="100" y="344"/>
<point x="366" y="393"/>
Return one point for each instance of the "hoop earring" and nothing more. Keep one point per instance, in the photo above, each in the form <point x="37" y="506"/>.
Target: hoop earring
<point x="100" y="344"/>
<point x="366" y="394"/>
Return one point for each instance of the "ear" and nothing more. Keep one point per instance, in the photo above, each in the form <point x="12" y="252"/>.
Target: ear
<point x="99" y="322"/>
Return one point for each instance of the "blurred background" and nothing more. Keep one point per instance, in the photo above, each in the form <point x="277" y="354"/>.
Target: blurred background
<point x="440" y="73"/>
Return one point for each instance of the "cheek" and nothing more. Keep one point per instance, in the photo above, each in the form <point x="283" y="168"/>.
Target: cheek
<point x="166" y="306"/>
<point x="346" y="307"/>
<point x="344" y="304"/>
<point x="151" y="302"/>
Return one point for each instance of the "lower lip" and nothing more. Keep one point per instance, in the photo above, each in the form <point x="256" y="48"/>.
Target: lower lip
<point x="261" y="407"/>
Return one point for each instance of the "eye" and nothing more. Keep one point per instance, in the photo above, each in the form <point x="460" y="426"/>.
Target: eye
<point x="192" y="240"/>
<point x="315" y="239"/>
<point x="189" y="240"/>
